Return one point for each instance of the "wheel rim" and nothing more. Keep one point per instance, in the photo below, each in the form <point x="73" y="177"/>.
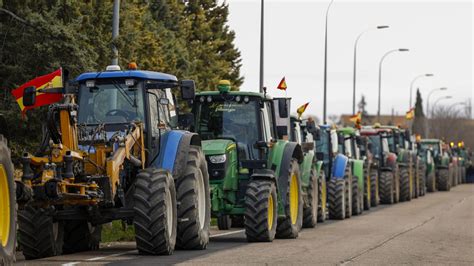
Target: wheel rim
<point x="270" y="212"/>
<point x="5" y="207"/>
<point x="201" y="198"/>
<point x="294" y="198"/>
<point x="169" y="214"/>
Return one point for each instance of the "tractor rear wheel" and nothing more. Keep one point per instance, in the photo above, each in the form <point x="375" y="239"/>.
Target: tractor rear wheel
<point x="367" y="184"/>
<point x="348" y="178"/>
<point x="396" y="185"/>
<point x="357" y="198"/>
<point x="386" y="187"/>
<point x="463" y="175"/>
<point x="337" y="198"/>
<point x="261" y="211"/>
<point x="443" y="180"/>
<point x="194" y="208"/>
<point x="224" y="222"/>
<point x="405" y="194"/>
<point x="310" y="212"/>
<point x="322" y="193"/>
<point x="155" y="212"/>
<point x="290" y="225"/>
<point x="431" y="182"/>
<point x="81" y="236"/>
<point x="374" y="187"/>
<point x="7" y="206"/>
<point x="421" y="179"/>
<point x="38" y="235"/>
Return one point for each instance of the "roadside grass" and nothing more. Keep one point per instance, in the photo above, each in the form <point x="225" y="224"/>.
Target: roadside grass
<point x="114" y="232"/>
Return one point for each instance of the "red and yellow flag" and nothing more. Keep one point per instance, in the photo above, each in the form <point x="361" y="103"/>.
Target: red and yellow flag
<point x="282" y="86"/>
<point x="357" y="118"/>
<point x="301" y="109"/>
<point x="410" y="114"/>
<point x="49" y="81"/>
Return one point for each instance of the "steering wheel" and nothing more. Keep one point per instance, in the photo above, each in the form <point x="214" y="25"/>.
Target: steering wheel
<point x="117" y="112"/>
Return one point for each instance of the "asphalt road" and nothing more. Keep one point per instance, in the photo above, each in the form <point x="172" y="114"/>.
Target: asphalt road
<point x="435" y="229"/>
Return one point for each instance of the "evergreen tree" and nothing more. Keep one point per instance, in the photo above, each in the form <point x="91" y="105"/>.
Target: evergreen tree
<point x="362" y="105"/>
<point x="419" y="123"/>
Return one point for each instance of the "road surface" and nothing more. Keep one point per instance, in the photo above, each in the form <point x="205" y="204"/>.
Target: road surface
<point x="435" y="229"/>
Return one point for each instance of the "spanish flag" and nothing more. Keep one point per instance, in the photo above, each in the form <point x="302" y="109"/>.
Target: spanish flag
<point x="282" y="86"/>
<point x="357" y="118"/>
<point x="301" y="109"/>
<point x="49" y="81"/>
<point x="410" y="114"/>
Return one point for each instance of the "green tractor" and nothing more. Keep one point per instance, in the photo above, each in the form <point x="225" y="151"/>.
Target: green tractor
<point x="370" y="171"/>
<point x="311" y="177"/>
<point x="348" y="138"/>
<point x="254" y="176"/>
<point x="463" y="159"/>
<point x="443" y="165"/>
<point x="7" y="206"/>
<point x="426" y="150"/>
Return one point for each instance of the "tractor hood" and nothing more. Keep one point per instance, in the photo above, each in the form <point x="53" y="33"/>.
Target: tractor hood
<point x="216" y="146"/>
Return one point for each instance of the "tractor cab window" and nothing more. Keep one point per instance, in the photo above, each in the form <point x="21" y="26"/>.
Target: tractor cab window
<point x="296" y="132"/>
<point x="376" y="145"/>
<point x="355" y="149"/>
<point x="385" y="145"/>
<point x="267" y="119"/>
<point x="110" y="101"/>
<point x="334" y="142"/>
<point x="233" y="120"/>
<point x="159" y="111"/>
<point x="348" y="147"/>
<point x="322" y="145"/>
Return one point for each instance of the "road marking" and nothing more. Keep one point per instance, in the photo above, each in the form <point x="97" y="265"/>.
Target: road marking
<point x="133" y="251"/>
<point x="228" y="233"/>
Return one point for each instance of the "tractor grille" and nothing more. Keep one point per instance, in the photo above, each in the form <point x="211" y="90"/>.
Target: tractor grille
<point x="216" y="170"/>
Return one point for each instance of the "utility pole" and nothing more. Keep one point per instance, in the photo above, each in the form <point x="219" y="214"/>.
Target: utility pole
<point x="115" y="29"/>
<point x="326" y="64"/>
<point x="260" y="87"/>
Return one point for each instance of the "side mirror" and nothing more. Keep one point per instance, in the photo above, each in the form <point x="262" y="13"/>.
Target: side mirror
<point x="283" y="108"/>
<point x="188" y="89"/>
<point x="29" y="96"/>
<point x="320" y="156"/>
<point x="164" y="101"/>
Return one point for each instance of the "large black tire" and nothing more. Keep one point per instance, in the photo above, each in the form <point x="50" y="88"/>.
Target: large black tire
<point x="81" y="236"/>
<point x="396" y="185"/>
<point x="288" y="226"/>
<point x="261" y="211"/>
<point x="431" y="182"/>
<point x="337" y="199"/>
<point x="224" y="222"/>
<point x="386" y="187"/>
<point x="443" y="180"/>
<point x="322" y="193"/>
<point x="374" y="187"/>
<point x="348" y="178"/>
<point x="463" y="175"/>
<point x="405" y="194"/>
<point x="357" y="197"/>
<point x="155" y="212"/>
<point x="310" y="211"/>
<point x="416" y="184"/>
<point x="7" y="205"/>
<point x="453" y="173"/>
<point x="38" y="235"/>
<point x="422" y="179"/>
<point x="237" y="221"/>
<point x="194" y="208"/>
<point x="367" y="184"/>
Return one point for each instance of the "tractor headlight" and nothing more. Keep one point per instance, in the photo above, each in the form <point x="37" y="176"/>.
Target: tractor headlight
<point x="218" y="158"/>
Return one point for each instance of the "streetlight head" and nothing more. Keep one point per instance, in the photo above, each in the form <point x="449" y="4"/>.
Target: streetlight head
<point x="403" y="50"/>
<point x="449" y="97"/>
<point x="429" y="75"/>
<point x="383" y="27"/>
<point x="443" y="89"/>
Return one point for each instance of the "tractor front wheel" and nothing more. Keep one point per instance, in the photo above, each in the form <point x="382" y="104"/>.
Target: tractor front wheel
<point x="7" y="206"/>
<point x="405" y="194"/>
<point x="386" y="187"/>
<point x="261" y="211"/>
<point x="348" y="178"/>
<point x="357" y="198"/>
<point x="310" y="212"/>
<point x="431" y="182"/>
<point x="337" y="198"/>
<point x="322" y="193"/>
<point x="194" y="208"/>
<point x="81" y="236"/>
<point x="155" y="212"/>
<point x="443" y="180"/>
<point x="374" y="187"/>
<point x="224" y="222"/>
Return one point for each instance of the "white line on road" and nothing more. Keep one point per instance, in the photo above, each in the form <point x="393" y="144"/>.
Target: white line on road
<point x="133" y="251"/>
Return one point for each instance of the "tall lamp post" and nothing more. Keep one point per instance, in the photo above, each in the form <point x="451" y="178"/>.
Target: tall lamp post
<point x="326" y="63"/>
<point x="380" y="74"/>
<point x="428" y="99"/>
<point x="440" y="99"/>
<point x="411" y="86"/>
<point x="355" y="63"/>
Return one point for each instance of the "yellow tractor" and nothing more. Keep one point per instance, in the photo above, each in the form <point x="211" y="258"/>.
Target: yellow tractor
<point x="114" y="151"/>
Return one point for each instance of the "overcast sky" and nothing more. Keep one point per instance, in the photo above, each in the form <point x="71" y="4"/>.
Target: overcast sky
<point x="438" y="34"/>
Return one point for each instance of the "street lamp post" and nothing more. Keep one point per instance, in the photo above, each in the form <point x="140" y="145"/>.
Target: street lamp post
<point x="428" y="99"/>
<point x="440" y="99"/>
<point x="326" y="63"/>
<point x="380" y="74"/>
<point x="355" y="63"/>
<point x="411" y="86"/>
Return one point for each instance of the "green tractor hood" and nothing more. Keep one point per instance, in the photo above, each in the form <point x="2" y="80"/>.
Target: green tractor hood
<point x="216" y="146"/>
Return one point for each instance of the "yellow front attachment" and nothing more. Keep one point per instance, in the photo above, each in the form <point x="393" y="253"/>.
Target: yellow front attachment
<point x="270" y="212"/>
<point x="5" y="207"/>
<point x="294" y="198"/>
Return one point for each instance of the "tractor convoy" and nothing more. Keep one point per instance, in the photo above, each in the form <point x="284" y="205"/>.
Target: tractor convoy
<point x="116" y="148"/>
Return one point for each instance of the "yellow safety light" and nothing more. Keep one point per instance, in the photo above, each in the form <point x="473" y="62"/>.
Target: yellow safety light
<point x="132" y="66"/>
<point x="418" y="138"/>
<point x="223" y="86"/>
<point x="377" y="125"/>
<point x="451" y="144"/>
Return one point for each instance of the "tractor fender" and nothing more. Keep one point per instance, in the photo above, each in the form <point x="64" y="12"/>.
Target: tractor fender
<point x="306" y="167"/>
<point x="263" y="174"/>
<point x="291" y="150"/>
<point x="339" y="166"/>
<point x="358" y="170"/>
<point x="174" y="148"/>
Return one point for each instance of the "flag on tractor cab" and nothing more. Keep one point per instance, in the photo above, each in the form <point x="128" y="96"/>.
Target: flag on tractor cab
<point x="49" y="81"/>
<point x="357" y="118"/>
<point x="410" y="114"/>
<point x="301" y="109"/>
<point x="282" y="86"/>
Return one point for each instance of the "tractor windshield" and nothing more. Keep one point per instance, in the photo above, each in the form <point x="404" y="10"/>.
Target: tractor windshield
<point x="229" y="119"/>
<point x="430" y="146"/>
<point x="376" y="145"/>
<point x="110" y="102"/>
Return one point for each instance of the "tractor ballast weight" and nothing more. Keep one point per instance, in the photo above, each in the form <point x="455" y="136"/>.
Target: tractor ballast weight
<point x="115" y="152"/>
<point x="255" y="176"/>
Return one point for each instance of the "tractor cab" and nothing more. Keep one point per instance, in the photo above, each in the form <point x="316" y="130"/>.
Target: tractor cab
<point x="328" y="146"/>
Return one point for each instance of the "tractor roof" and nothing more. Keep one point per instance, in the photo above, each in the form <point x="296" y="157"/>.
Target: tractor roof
<point x="141" y="74"/>
<point x="430" y="141"/>
<point x="241" y="93"/>
<point x="366" y="131"/>
<point x="347" y="130"/>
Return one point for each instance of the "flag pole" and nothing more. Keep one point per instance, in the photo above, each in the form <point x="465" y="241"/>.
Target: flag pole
<point x="260" y="88"/>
